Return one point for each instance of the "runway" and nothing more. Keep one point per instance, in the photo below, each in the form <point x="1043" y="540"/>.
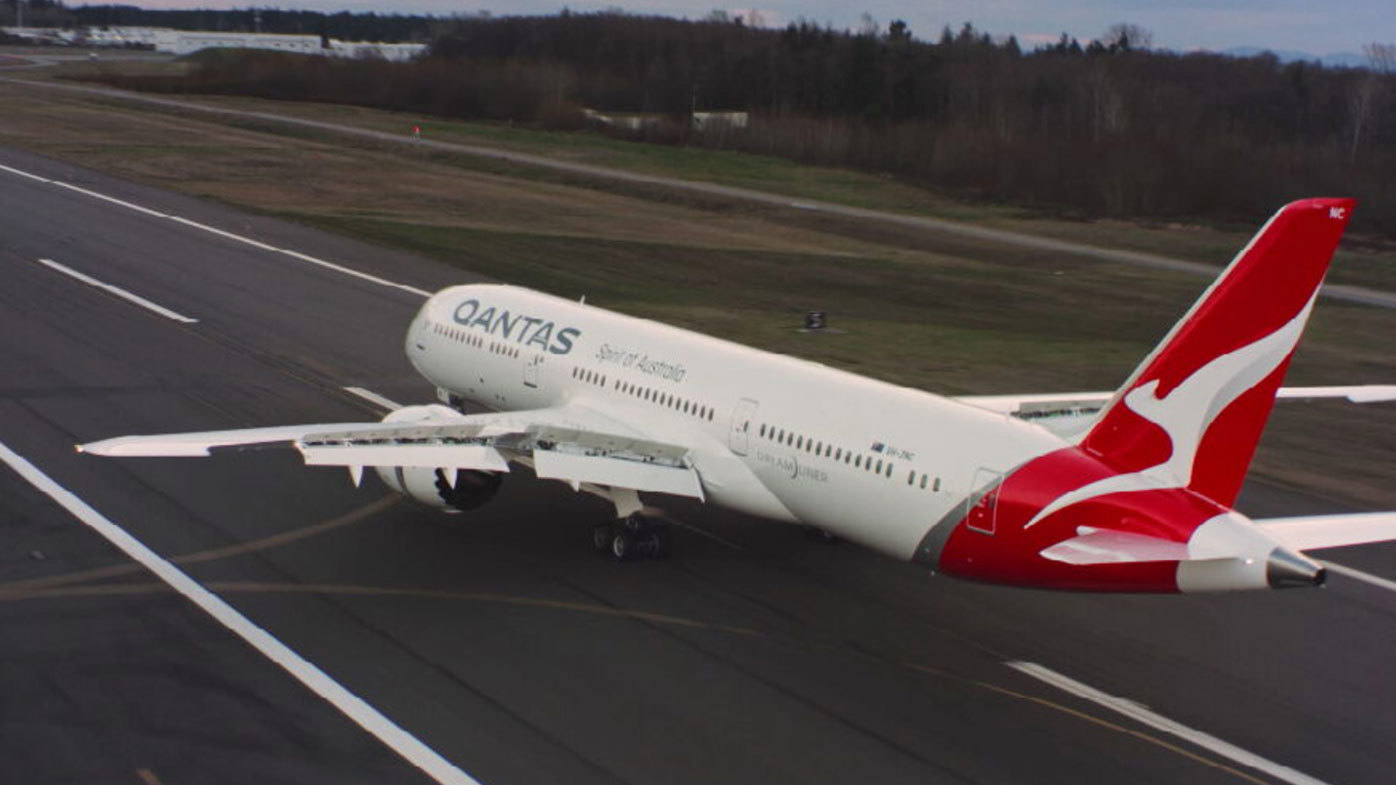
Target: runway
<point x="497" y="638"/>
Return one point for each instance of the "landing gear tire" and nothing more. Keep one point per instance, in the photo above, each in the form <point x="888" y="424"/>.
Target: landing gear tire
<point x="623" y="545"/>
<point x="601" y="537"/>
<point x="657" y="542"/>
<point x="632" y="538"/>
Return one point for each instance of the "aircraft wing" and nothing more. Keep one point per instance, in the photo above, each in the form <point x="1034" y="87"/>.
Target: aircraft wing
<point x="1065" y="413"/>
<point x="569" y="443"/>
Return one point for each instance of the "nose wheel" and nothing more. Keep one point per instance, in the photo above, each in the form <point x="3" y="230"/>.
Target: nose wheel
<point x="631" y="538"/>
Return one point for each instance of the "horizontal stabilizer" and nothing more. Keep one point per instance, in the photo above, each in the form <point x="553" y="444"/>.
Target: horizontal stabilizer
<point x="1331" y="531"/>
<point x="1106" y="546"/>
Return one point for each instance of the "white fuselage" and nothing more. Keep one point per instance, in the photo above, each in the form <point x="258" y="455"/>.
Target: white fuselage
<point x="770" y="435"/>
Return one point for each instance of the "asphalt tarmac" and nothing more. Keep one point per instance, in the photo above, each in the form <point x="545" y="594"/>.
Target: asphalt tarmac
<point x="496" y="638"/>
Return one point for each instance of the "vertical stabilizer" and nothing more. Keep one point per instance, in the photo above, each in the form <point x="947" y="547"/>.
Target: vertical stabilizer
<point x="1193" y="411"/>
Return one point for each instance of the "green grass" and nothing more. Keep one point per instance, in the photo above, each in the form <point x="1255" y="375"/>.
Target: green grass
<point x="941" y="324"/>
<point x="1373" y="267"/>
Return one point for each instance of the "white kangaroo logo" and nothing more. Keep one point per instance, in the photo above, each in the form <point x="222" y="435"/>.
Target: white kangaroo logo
<point x="1189" y="410"/>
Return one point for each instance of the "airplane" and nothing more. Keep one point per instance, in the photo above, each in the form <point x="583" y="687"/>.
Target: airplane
<point x="1130" y="491"/>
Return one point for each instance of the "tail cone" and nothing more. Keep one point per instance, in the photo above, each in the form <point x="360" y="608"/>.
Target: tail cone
<point x="1286" y="569"/>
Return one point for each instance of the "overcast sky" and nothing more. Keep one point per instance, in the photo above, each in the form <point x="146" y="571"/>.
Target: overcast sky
<point x="1315" y="26"/>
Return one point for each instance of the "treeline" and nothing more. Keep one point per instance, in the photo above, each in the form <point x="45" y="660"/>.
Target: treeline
<point x="1102" y="129"/>
<point x="488" y="90"/>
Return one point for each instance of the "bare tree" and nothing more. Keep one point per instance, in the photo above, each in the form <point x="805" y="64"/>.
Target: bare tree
<point x="1368" y="91"/>
<point x="1126" y="37"/>
<point x="1381" y="58"/>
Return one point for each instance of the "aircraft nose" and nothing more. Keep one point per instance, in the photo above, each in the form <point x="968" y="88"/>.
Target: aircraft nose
<point x="1285" y="569"/>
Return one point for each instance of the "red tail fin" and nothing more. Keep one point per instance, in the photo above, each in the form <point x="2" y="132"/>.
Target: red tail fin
<point x="1196" y="406"/>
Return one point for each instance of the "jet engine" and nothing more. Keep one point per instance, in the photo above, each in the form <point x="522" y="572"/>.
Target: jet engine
<point x="452" y="490"/>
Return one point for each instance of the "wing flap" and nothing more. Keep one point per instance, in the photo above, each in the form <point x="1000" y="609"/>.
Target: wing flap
<point x="617" y="472"/>
<point x="1331" y="531"/>
<point x="426" y="456"/>
<point x="588" y="440"/>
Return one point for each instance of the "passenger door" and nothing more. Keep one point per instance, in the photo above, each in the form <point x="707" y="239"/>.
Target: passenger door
<point x="739" y="436"/>
<point x="983" y="501"/>
<point x="531" y="371"/>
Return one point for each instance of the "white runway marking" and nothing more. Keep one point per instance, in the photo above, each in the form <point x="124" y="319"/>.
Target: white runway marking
<point x="374" y="398"/>
<point x="25" y="174"/>
<point x="1380" y="583"/>
<point x="351" y="705"/>
<point x="119" y="292"/>
<point x="355" y="273"/>
<point x="226" y="234"/>
<point x="111" y="199"/>
<point x="221" y="233"/>
<point x="1159" y="722"/>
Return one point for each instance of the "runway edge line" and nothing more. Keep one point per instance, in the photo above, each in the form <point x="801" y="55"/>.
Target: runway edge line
<point x="352" y="706"/>
<point x="1145" y="716"/>
<point x="349" y="271"/>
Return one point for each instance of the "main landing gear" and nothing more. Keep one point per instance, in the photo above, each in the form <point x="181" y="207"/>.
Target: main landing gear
<point x="632" y="537"/>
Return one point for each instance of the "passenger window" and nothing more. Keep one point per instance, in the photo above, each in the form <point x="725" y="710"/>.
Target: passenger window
<point x="923" y="482"/>
<point x="858" y="462"/>
<point x="936" y="488"/>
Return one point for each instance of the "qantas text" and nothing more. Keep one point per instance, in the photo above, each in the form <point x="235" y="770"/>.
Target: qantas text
<point x="521" y="329"/>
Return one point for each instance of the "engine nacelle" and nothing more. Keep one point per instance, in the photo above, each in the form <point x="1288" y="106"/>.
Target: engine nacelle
<point x="451" y="490"/>
<point x="438" y="488"/>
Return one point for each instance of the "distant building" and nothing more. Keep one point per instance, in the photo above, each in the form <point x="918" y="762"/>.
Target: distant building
<point x="183" y="42"/>
<point x="628" y="122"/>
<point x="708" y="121"/>
<point x="40" y="35"/>
<point x="394" y="52"/>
